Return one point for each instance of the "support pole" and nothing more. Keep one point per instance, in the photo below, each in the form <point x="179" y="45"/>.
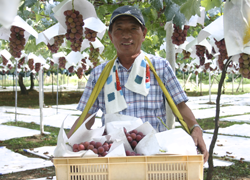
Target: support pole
<point x="57" y="89"/>
<point x="16" y="93"/>
<point x="170" y="55"/>
<point x="41" y="100"/>
<point x="209" y="86"/>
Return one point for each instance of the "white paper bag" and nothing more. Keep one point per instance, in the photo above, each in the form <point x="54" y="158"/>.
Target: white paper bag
<point x="236" y="26"/>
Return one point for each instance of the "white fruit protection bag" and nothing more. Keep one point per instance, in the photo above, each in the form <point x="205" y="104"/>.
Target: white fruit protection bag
<point x="237" y="26"/>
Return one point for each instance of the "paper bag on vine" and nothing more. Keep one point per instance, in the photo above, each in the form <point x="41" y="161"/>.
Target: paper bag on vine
<point x="237" y="26"/>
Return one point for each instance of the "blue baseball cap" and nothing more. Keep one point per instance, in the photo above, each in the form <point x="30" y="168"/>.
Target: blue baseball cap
<point x="127" y="11"/>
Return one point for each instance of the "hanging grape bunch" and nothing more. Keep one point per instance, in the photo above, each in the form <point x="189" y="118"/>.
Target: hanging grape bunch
<point x="93" y="55"/>
<point x="71" y="69"/>
<point x="9" y="66"/>
<point x="179" y="34"/>
<point x="96" y="147"/>
<point x="21" y="61"/>
<point x="244" y="63"/>
<point x="58" y="40"/>
<point x="74" y="23"/>
<point x="84" y="67"/>
<point x="209" y="56"/>
<point x="200" y="52"/>
<point x="223" y="52"/>
<point x="80" y="72"/>
<point x="31" y="64"/>
<point x="5" y="61"/>
<point x="207" y="65"/>
<point x="90" y="34"/>
<point x="62" y="62"/>
<point x="37" y="67"/>
<point x="17" y="41"/>
<point x="133" y="137"/>
<point x="186" y="54"/>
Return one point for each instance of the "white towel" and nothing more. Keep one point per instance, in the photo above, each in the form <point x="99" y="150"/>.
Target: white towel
<point x="138" y="82"/>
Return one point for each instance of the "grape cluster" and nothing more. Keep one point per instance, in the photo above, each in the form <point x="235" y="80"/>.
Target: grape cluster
<point x="133" y="137"/>
<point x="186" y="54"/>
<point x="74" y="23"/>
<point x="31" y="64"/>
<point x="244" y="64"/>
<point x="80" y="72"/>
<point x="207" y="66"/>
<point x="209" y="56"/>
<point x="37" y="67"/>
<point x="84" y="67"/>
<point x="223" y="52"/>
<point x="21" y="61"/>
<point x="96" y="147"/>
<point x="71" y="69"/>
<point x="200" y="52"/>
<point x="5" y="61"/>
<point x="93" y="55"/>
<point x="9" y="66"/>
<point x="58" y="40"/>
<point x="62" y="62"/>
<point x="17" y="41"/>
<point x="132" y="153"/>
<point x="90" y="34"/>
<point x="179" y="35"/>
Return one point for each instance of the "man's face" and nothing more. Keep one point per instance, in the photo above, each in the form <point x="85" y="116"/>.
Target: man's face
<point x="127" y="36"/>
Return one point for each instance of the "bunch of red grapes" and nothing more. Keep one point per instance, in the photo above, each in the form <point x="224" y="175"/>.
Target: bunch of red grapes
<point x="31" y="64"/>
<point x="96" y="147"/>
<point x="37" y="67"/>
<point x="71" y="69"/>
<point x="21" y="61"/>
<point x="133" y="137"/>
<point x="62" y="62"/>
<point x="223" y="52"/>
<point x="200" y="52"/>
<point x="58" y="40"/>
<point x="244" y="63"/>
<point x="74" y="23"/>
<point x="80" y="72"/>
<point x="186" y="54"/>
<point x="90" y="34"/>
<point x="179" y="34"/>
<point x="17" y="41"/>
<point x="5" y="61"/>
<point x="209" y="56"/>
<point x="93" y="55"/>
<point x="84" y="63"/>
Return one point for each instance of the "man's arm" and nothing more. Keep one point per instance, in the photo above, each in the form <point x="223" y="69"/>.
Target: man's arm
<point x="196" y="134"/>
<point x="89" y="124"/>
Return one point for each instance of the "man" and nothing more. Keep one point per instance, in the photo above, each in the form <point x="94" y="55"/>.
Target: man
<point x="131" y="88"/>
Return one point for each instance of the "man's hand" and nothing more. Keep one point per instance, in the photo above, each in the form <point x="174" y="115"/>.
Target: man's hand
<point x="199" y="142"/>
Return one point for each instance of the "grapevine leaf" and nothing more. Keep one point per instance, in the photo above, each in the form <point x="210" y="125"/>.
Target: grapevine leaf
<point x="213" y="12"/>
<point x="179" y="2"/>
<point x="157" y="4"/>
<point x="190" y="8"/>
<point x="30" y="3"/>
<point x="172" y="12"/>
<point x="208" y="4"/>
<point x="38" y="17"/>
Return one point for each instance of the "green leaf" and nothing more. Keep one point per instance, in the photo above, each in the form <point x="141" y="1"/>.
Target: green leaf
<point x="179" y="2"/>
<point x="190" y="8"/>
<point x="208" y="4"/>
<point x="157" y="4"/>
<point x="38" y="17"/>
<point x="30" y="3"/>
<point x="172" y="12"/>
